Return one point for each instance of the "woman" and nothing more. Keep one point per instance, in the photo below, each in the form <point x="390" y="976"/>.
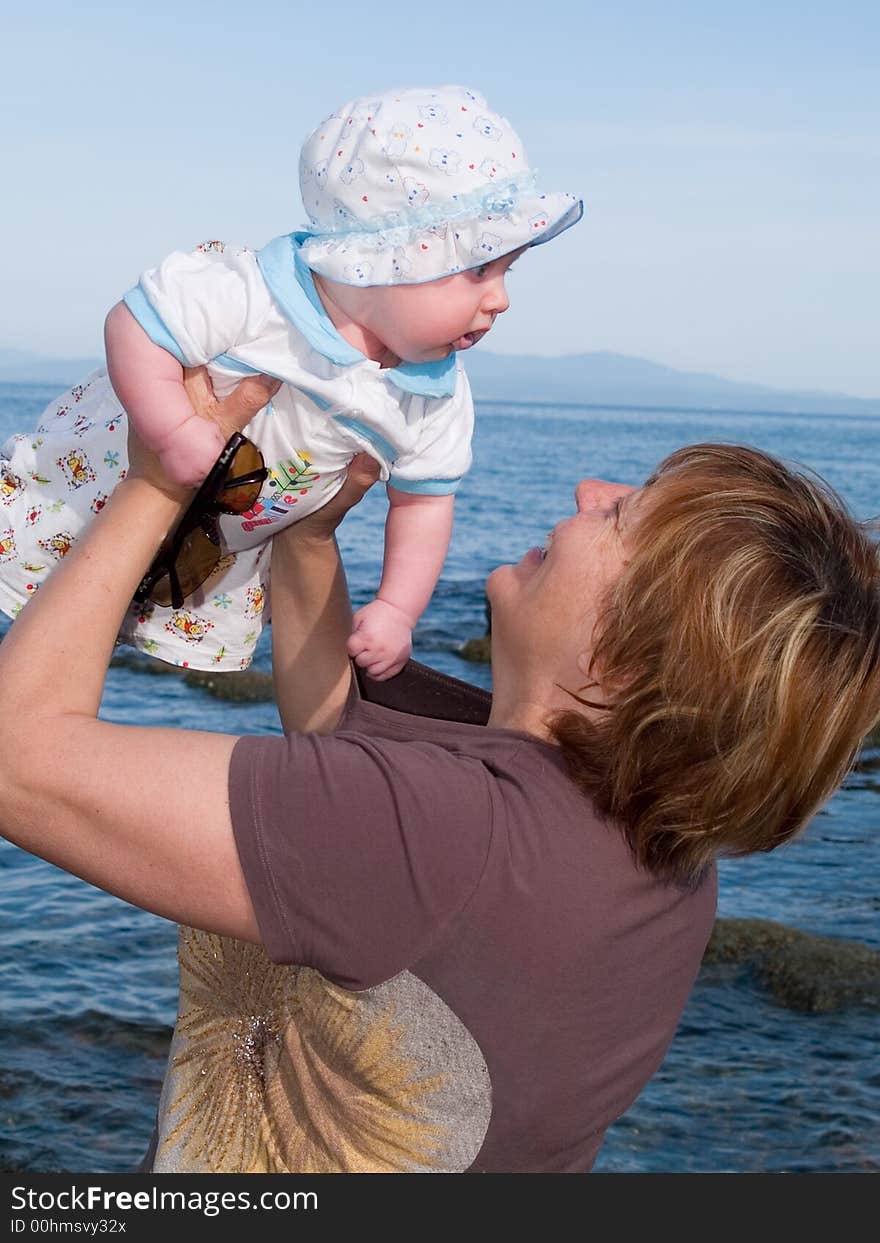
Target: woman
<point x="494" y="927"/>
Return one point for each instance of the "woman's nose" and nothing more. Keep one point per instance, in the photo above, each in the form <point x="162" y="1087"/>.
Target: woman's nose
<point x="598" y="493"/>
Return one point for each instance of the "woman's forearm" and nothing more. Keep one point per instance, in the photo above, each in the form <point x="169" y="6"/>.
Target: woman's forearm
<point x="57" y="652"/>
<point x="311" y="621"/>
<point x="311" y="611"/>
<point x="142" y="813"/>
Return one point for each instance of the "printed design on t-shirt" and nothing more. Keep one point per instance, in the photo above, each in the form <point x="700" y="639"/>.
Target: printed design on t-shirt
<point x="144" y="613"/>
<point x="76" y="468"/>
<point x="57" y="545"/>
<point x="82" y="425"/>
<point x="188" y="626"/>
<point x="7" y="544"/>
<point x="234" y="1004"/>
<point x="273" y="1069"/>
<point x="10" y="486"/>
<point x="288" y="481"/>
<point x="60" y="411"/>
<point x="256" y="600"/>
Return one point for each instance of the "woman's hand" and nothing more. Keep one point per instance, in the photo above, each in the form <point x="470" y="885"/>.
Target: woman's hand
<point x="234" y="413"/>
<point x="321" y="524"/>
<point x="231" y="414"/>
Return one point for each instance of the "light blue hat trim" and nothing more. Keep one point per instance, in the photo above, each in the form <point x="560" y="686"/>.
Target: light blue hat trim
<point x="290" y="283"/>
<point x="396" y="228"/>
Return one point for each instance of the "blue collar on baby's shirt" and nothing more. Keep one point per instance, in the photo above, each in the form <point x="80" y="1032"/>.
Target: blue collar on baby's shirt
<point x="291" y="285"/>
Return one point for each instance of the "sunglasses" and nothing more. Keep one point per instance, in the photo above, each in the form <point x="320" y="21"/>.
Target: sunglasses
<point x="191" y="553"/>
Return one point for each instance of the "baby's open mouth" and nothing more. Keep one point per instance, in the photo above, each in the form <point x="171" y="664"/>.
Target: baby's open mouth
<point x="470" y="338"/>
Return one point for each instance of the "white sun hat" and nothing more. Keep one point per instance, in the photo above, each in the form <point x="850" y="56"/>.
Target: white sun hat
<point x="417" y="184"/>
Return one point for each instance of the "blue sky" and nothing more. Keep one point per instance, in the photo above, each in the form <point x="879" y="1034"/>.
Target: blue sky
<point x="729" y="157"/>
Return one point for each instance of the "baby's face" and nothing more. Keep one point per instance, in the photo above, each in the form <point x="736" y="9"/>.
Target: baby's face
<point x="424" y="323"/>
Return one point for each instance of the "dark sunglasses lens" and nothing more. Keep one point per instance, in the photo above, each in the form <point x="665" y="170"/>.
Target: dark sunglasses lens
<point x="232" y="487"/>
<point x="195" y="563"/>
<point x="247" y="465"/>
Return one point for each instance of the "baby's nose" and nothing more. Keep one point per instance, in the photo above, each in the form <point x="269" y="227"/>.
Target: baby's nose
<point x="496" y="299"/>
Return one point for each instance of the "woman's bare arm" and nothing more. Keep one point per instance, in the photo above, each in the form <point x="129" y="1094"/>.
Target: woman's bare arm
<point x="311" y="612"/>
<point x="140" y="812"/>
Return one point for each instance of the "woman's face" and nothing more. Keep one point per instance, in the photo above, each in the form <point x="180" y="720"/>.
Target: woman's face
<point x="544" y="608"/>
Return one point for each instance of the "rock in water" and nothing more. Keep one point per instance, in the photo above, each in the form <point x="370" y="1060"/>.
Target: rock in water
<point x="477" y="649"/>
<point x="249" y="686"/>
<point x="802" y="971"/>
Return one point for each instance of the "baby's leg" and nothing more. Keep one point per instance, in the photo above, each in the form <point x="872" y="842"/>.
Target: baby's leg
<point x="54" y="480"/>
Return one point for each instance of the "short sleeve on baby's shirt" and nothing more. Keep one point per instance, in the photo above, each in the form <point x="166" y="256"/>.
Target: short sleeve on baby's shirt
<point x="359" y="852"/>
<point x="200" y="304"/>
<point x="442" y="454"/>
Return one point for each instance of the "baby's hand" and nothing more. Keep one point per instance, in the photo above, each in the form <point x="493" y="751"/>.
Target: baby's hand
<point x="191" y="450"/>
<point x="381" y="641"/>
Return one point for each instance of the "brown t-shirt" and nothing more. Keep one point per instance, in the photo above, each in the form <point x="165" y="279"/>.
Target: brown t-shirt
<point x="493" y="979"/>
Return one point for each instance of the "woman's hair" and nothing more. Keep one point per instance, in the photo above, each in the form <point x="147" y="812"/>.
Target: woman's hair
<point x="739" y="658"/>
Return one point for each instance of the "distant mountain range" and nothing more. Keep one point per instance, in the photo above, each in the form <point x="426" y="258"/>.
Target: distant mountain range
<point x="603" y="379"/>
<point x="21" y="367"/>
<point x="595" y="379"/>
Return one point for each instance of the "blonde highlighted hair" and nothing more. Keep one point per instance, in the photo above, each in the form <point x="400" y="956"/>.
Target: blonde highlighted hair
<point x="739" y="658"/>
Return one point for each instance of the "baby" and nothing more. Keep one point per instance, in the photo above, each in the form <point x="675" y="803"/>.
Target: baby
<point x="419" y="201"/>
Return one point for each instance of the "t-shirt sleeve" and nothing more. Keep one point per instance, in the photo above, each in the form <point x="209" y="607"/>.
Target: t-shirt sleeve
<point x="359" y="853"/>
<point x="200" y="304"/>
<point x="442" y="454"/>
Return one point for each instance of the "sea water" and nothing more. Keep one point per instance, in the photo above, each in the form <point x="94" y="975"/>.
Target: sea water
<point x="88" y="984"/>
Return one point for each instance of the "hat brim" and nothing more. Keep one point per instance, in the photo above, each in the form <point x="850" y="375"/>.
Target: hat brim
<point x="413" y="256"/>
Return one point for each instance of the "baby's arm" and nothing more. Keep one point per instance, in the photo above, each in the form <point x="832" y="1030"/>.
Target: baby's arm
<point x="149" y="383"/>
<point x="417" y="533"/>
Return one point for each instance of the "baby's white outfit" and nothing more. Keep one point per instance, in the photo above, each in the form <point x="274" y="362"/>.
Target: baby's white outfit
<point x="239" y="312"/>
